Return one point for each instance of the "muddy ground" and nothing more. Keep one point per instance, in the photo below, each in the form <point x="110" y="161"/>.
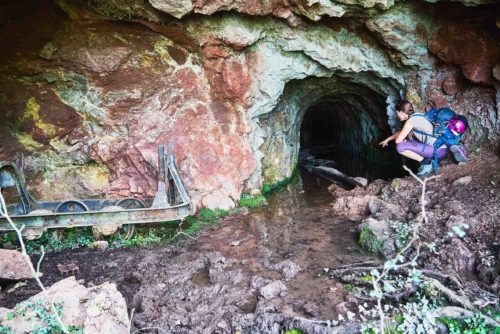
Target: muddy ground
<point x="267" y="266"/>
<point x="270" y="260"/>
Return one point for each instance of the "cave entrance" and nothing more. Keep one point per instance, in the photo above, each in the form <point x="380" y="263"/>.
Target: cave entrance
<point x="348" y="132"/>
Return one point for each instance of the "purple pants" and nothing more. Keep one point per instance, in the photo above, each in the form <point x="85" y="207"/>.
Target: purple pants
<point x="421" y="149"/>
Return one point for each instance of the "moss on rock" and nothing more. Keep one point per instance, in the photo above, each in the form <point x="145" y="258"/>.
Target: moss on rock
<point x="369" y="241"/>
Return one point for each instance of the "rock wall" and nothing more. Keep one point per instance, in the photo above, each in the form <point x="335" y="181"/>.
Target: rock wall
<point x="89" y="89"/>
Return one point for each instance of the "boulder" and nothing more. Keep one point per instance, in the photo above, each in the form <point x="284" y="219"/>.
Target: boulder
<point x="99" y="309"/>
<point x="375" y="237"/>
<point x="13" y="267"/>
<point x="288" y="269"/>
<point x="273" y="289"/>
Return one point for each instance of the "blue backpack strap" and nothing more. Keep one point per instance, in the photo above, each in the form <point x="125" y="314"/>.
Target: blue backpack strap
<point x="425" y="134"/>
<point x="448" y="139"/>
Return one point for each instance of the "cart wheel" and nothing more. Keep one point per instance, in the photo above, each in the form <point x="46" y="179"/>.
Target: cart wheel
<point x="127" y="231"/>
<point x="72" y="206"/>
<point x="58" y="234"/>
<point x="131" y="203"/>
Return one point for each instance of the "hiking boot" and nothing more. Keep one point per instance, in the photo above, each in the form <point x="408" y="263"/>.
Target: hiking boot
<point x="459" y="153"/>
<point x="425" y="170"/>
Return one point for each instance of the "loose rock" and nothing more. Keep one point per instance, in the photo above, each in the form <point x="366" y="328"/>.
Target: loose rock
<point x="13" y="266"/>
<point x="273" y="289"/>
<point x="100" y="309"/>
<point x="463" y="181"/>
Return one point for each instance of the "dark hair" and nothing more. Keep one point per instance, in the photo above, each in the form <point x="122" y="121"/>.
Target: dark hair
<point x="404" y="106"/>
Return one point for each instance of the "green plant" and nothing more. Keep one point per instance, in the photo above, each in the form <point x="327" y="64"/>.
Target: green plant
<point x="473" y="325"/>
<point x="210" y="215"/>
<point x="8" y="240"/>
<point x="6" y="330"/>
<point x="293" y="331"/>
<point x="73" y="238"/>
<point x="252" y="201"/>
<point x="400" y="231"/>
<point x="367" y="278"/>
<point x="348" y="287"/>
<point x="143" y="240"/>
<point x="268" y="188"/>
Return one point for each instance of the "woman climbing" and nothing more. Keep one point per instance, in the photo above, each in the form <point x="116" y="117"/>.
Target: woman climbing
<point x="444" y="130"/>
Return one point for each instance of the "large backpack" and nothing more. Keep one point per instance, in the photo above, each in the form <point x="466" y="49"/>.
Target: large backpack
<point x="440" y="119"/>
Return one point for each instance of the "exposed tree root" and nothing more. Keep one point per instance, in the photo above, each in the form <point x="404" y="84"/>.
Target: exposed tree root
<point x="451" y="295"/>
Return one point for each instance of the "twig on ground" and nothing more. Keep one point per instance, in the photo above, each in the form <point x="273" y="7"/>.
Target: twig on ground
<point x="130" y="322"/>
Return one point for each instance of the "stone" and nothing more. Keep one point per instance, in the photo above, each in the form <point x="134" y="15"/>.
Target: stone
<point x="396" y="183"/>
<point x="341" y="308"/>
<point x="100" y="244"/>
<point x="100" y="309"/>
<point x="363" y="181"/>
<point x="288" y="269"/>
<point x="175" y="8"/>
<point x="463" y="181"/>
<point x="375" y="237"/>
<point x="376" y="205"/>
<point x="273" y="290"/>
<point x="13" y="266"/>
<point x="255" y="192"/>
<point x="496" y="72"/>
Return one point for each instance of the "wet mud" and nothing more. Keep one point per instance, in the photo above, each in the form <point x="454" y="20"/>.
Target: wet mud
<point x="268" y="261"/>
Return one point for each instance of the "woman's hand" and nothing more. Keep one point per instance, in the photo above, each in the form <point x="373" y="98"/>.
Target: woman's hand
<point x="385" y="142"/>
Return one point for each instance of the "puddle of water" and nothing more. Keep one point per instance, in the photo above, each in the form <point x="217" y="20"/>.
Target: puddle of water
<point x="299" y="224"/>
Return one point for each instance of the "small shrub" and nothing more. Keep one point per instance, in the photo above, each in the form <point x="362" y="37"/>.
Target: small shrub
<point x="252" y="201"/>
<point x="293" y="331"/>
<point x="211" y="215"/>
<point x="473" y="325"/>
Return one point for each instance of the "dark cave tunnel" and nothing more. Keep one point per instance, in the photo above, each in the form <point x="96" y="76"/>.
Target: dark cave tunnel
<point x="348" y="133"/>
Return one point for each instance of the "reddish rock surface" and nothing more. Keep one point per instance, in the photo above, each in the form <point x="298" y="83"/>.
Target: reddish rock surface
<point x="468" y="46"/>
<point x="87" y="100"/>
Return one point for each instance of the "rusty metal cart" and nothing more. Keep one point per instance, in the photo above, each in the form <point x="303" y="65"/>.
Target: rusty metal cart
<point x="105" y="216"/>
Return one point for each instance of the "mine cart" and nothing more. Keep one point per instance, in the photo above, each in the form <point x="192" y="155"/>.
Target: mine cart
<point x="105" y="216"/>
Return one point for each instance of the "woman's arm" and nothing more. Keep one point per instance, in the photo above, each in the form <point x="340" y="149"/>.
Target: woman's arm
<point x="388" y="139"/>
<point x="404" y="132"/>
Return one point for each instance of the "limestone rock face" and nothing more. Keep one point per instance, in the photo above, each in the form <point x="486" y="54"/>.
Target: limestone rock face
<point x="100" y="309"/>
<point x="89" y="95"/>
